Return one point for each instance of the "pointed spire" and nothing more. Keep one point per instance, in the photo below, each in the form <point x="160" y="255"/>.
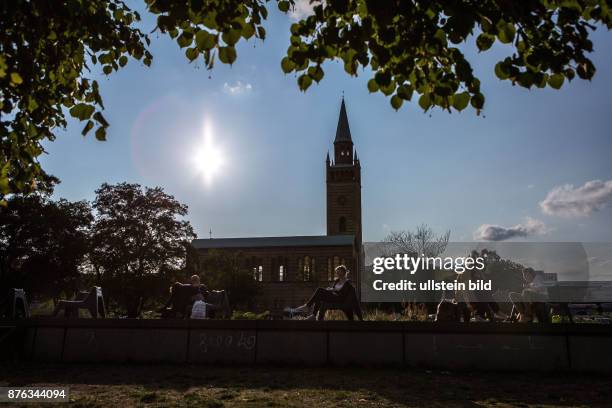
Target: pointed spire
<point x="327" y="158"/>
<point x="343" y="132"/>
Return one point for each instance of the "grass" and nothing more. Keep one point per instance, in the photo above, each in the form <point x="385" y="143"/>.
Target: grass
<point x="207" y="386"/>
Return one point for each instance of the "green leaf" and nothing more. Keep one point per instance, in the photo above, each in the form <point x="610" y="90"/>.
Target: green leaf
<point x="477" y="101"/>
<point x="372" y="85"/>
<point x="261" y="32"/>
<point x="501" y="71"/>
<point x="505" y="32"/>
<point x="248" y="30"/>
<point x="425" y="101"/>
<point x="101" y="120"/>
<point x="287" y="65"/>
<point x="556" y="81"/>
<point x="184" y="39"/>
<point x="87" y="127"/>
<point x="123" y="60"/>
<point x="101" y="134"/>
<point x="316" y="73"/>
<point x="227" y="55"/>
<point x="283" y="6"/>
<point x="396" y="102"/>
<point x="82" y="111"/>
<point x="192" y="53"/>
<point x="32" y="104"/>
<point x="405" y="92"/>
<point x="210" y="20"/>
<point x="304" y="81"/>
<point x="204" y="40"/>
<point x="16" y="78"/>
<point x="388" y="89"/>
<point x="461" y="100"/>
<point x="107" y="69"/>
<point x="485" y="41"/>
<point x="231" y="37"/>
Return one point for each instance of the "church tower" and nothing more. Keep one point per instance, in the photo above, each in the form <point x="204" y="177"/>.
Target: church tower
<point x="344" y="183"/>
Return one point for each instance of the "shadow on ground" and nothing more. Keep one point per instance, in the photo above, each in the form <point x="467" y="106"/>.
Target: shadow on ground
<point x="206" y="386"/>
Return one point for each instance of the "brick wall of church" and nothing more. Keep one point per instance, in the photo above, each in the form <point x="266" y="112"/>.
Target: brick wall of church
<point x="295" y="287"/>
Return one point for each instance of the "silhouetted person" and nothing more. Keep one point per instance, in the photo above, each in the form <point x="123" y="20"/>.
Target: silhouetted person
<point x="182" y="295"/>
<point x="342" y="293"/>
<point x="534" y="292"/>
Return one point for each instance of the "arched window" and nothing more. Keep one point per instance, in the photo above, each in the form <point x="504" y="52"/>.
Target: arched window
<point x="256" y="265"/>
<point x="258" y="273"/>
<point x="279" y="269"/>
<point x="306" y="268"/>
<point x="342" y="224"/>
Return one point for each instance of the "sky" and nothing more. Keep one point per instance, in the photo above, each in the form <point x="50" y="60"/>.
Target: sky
<point x="535" y="166"/>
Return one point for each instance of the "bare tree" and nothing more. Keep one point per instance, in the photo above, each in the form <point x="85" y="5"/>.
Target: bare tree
<point x="421" y="242"/>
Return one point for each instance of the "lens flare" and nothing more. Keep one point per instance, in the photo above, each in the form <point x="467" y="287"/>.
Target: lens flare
<point x="208" y="157"/>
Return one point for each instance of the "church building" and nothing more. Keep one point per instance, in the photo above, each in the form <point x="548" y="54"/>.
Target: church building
<point x="289" y="268"/>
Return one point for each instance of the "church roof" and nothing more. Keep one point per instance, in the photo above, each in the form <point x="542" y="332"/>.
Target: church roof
<point x="263" y="242"/>
<point x="343" y="132"/>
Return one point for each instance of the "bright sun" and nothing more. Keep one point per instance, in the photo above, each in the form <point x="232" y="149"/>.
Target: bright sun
<point x="208" y="157"/>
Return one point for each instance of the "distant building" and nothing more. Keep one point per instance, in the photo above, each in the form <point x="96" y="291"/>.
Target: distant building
<point x="290" y="268"/>
<point x="548" y="277"/>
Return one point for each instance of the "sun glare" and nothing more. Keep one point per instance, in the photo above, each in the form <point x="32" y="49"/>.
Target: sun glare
<point x="208" y="157"/>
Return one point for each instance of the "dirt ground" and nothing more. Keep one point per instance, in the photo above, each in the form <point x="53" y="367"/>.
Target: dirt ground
<point x="205" y="386"/>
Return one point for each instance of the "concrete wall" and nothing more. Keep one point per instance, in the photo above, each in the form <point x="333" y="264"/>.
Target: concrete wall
<point x="474" y="346"/>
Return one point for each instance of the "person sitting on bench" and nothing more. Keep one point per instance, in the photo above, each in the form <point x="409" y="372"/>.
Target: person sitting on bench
<point x="341" y="293"/>
<point x="182" y="295"/>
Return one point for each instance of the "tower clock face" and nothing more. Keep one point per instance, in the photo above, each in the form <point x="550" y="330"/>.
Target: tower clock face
<point x="342" y="200"/>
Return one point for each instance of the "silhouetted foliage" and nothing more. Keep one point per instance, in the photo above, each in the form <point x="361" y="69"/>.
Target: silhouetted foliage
<point x="505" y="273"/>
<point x="43" y="244"/>
<point x="48" y="48"/>
<point x="228" y="270"/>
<point x="138" y="238"/>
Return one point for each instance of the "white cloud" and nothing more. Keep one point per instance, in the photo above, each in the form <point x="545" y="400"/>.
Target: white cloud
<point x="303" y="9"/>
<point x="237" y="88"/>
<point x="492" y="232"/>
<point x="570" y="201"/>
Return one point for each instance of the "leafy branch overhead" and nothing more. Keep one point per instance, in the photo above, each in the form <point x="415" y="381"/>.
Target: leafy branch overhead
<point x="411" y="48"/>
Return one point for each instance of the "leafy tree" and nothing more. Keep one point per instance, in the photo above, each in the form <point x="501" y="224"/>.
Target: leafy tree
<point x="410" y="48"/>
<point x="46" y="50"/>
<point x="228" y="270"/>
<point x="43" y="243"/>
<point x="138" y="236"/>
<point x="506" y="274"/>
